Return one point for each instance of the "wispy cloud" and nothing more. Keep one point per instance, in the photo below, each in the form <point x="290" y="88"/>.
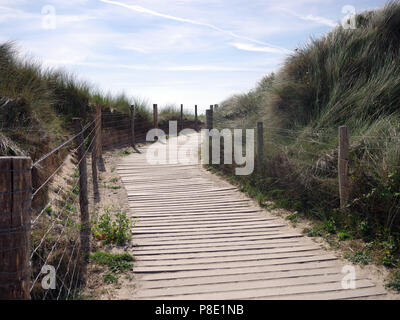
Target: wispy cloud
<point x="141" y="9"/>
<point x="254" y="48"/>
<point x="317" y="19"/>
<point x="310" y="17"/>
<point x="11" y="13"/>
<point x="173" y="68"/>
<point x="210" y="68"/>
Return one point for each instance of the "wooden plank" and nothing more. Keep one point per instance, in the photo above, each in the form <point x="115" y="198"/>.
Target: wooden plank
<point x="232" y="265"/>
<point x="225" y="259"/>
<point x="158" y="284"/>
<point x="232" y="253"/>
<point x="223" y="247"/>
<point x="267" y="292"/>
<point x="267" y="284"/>
<point x="304" y="265"/>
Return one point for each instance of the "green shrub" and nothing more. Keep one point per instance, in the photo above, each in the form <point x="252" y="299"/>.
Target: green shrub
<point x="314" y="232"/>
<point x="364" y="228"/>
<point x="330" y="226"/>
<point x="113" y="227"/>
<point x="360" y="257"/>
<point x="390" y="248"/>
<point x="343" y="235"/>
<point x="292" y="217"/>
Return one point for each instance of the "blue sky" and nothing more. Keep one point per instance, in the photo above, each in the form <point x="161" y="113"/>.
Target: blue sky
<point x="169" y="51"/>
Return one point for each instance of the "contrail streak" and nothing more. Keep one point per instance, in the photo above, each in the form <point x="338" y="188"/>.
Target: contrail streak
<point x="194" y="22"/>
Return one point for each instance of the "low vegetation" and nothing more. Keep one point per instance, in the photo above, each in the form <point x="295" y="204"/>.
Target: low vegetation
<point x="115" y="263"/>
<point x="113" y="227"/>
<point x="395" y="281"/>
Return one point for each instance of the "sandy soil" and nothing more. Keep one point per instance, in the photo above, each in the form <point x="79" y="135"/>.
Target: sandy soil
<point x="112" y="193"/>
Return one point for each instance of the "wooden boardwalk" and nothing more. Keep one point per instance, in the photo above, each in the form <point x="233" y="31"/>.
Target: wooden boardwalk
<point x="197" y="237"/>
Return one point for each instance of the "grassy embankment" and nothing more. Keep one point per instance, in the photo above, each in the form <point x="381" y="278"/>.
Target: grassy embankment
<point x="36" y="109"/>
<point x="348" y="77"/>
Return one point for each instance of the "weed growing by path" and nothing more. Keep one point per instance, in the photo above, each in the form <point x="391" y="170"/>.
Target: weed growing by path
<point x="395" y="281"/>
<point x="116" y="263"/>
<point x="125" y="153"/>
<point x="360" y="257"/>
<point x="113" y="227"/>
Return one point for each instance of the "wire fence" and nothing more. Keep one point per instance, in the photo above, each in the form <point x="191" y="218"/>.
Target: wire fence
<point x="56" y="228"/>
<point x="45" y="251"/>
<point x="117" y="127"/>
<point x="51" y="236"/>
<point x="322" y="163"/>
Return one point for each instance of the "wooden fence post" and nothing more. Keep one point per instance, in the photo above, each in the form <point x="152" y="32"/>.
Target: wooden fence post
<point x="155" y="116"/>
<point x="15" y="220"/>
<point x="99" y="147"/>
<point x="343" y="163"/>
<point x="209" y="127"/>
<point x="260" y="145"/>
<point x="84" y="110"/>
<point x="133" y="126"/>
<point x="96" y="193"/>
<point x="182" y="117"/>
<point x="83" y="192"/>
<point x="209" y="119"/>
<point x="93" y="150"/>
<point x="196" y="127"/>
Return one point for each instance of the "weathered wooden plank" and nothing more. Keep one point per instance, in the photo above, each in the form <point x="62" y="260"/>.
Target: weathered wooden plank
<point x="304" y="265"/>
<point x="232" y="265"/>
<point x="267" y="292"/>
<point x="158" y="284"/>
<point x="268" y="285"/>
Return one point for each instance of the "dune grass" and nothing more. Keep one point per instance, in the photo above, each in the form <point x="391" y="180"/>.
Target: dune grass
<point x="347" y="77"/>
